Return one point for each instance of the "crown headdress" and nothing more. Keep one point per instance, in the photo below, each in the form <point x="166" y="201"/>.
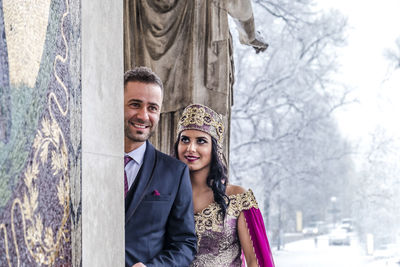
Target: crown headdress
<point x="202" y="118"/>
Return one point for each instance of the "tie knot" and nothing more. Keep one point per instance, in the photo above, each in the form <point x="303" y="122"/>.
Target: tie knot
<point x="127" y="159"/>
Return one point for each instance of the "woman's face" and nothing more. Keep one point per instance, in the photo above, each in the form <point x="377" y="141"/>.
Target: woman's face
<point x="194" y="149"/>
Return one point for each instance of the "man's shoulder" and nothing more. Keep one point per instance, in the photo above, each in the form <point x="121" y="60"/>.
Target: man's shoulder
<point x="169" y="159"/>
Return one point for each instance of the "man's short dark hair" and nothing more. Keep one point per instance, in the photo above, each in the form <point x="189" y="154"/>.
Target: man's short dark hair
<point x="144" y="75"/>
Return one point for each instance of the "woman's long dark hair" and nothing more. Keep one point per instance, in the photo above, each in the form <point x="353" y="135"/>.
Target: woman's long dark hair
<point x="217" y="179"/>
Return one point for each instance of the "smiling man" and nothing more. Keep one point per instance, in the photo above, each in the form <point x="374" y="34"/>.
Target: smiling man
<point x="159" y="223"/>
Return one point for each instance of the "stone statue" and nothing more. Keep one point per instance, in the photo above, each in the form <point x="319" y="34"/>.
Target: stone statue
<point x="188" y="44"/>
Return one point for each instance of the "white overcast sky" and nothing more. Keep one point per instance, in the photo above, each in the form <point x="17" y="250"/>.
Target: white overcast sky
<point x="373" y="27"/>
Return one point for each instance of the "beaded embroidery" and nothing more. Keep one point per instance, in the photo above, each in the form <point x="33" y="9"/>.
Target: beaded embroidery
<point x="208" y="218"/>
<point x="202" y="118"/>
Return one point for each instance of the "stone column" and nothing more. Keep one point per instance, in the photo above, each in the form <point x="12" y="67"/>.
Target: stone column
<point x="102" y="134"/>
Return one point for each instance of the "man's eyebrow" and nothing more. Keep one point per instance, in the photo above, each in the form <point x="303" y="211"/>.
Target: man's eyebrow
<point x="135" y="100"/>
<point x="154" y="104"/>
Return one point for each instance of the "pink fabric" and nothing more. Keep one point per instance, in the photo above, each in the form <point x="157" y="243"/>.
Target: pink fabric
<point x="258" y="235"/>
<point x="243" y="259"/>
<point x="126" y="159"/>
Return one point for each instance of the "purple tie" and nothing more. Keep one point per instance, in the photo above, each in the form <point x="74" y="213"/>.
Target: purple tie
<point x="127" y="159"/>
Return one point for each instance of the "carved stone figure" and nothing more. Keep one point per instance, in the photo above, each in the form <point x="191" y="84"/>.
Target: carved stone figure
<point x="188" y="44"/>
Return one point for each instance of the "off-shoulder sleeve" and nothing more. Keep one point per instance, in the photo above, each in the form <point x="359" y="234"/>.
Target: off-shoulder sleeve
<point x="255" y="225"/>
<point x="242" y="201"/>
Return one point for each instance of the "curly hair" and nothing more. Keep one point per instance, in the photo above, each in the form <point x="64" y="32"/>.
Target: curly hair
<point x="217" y="178"/>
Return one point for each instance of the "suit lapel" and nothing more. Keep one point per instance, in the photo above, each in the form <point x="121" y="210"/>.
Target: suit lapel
<point x="142" y="180"/>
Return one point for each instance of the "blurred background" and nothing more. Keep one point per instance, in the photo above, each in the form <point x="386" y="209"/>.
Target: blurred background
<point x="315" y="132"/>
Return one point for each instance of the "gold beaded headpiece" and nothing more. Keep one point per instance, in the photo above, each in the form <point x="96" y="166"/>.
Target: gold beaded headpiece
<point x="202" y="118"/>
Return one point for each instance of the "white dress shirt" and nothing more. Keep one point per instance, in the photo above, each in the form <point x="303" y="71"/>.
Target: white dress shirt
<point x="133" y="166"/>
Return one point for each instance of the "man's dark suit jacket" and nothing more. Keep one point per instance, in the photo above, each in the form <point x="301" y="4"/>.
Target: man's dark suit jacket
<point x="159" y="223"/>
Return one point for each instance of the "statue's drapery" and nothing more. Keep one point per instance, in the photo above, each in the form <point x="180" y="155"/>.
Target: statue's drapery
<point x="188" y="44"/>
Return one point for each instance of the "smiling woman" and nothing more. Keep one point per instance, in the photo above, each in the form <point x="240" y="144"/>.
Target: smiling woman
<point x="194" y="149"/>
<point x="228" y="221"/>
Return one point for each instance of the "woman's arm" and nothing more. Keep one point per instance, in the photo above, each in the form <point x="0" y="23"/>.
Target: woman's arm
<point x="246" y="243"/>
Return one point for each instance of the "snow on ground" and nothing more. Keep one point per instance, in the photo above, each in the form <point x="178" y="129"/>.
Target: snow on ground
<point x="308" y="253"/>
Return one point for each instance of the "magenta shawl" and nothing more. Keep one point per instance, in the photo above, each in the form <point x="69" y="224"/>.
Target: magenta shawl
<point x="258" y="235"/>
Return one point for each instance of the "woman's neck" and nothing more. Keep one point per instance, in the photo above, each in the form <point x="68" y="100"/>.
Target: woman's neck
<point x="199" y="179"/>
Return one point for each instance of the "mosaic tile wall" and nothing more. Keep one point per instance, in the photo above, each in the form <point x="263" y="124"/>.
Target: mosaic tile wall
<point x="40" y="133"/>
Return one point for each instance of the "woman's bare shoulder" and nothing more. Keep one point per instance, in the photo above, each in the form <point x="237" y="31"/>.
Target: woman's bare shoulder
<point x="234" y="190"/>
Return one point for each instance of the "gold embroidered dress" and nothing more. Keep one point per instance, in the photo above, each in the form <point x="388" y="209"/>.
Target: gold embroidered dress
<point x="218" y="242"/>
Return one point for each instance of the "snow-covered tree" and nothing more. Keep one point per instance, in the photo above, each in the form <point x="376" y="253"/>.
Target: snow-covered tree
<point x="378" y="190"/>
<point x="284" y="141"/>
<point x="393" y="55"/>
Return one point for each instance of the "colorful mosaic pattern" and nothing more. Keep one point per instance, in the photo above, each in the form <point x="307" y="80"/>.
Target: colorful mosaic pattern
<point x="40" y="143"/>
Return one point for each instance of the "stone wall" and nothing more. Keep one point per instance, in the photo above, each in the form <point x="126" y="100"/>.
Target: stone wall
<point x="61" y="136"/>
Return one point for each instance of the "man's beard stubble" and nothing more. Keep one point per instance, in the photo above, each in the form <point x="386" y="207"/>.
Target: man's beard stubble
<point x="138" y="136"/>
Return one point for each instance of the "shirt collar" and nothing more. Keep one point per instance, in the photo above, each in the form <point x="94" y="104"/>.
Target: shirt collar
<point x="138" y="154"/>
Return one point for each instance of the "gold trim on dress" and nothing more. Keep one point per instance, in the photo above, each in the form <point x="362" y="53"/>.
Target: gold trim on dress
<point x="209" y="219"/>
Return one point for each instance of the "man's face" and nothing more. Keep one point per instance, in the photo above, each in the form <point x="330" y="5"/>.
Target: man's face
<point x="142" y="106"/>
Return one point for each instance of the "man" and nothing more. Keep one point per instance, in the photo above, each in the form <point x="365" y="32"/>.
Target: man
<point x="159" y="223"/>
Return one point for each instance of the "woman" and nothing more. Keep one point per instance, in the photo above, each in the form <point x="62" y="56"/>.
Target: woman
<point x="228" y="221"/>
